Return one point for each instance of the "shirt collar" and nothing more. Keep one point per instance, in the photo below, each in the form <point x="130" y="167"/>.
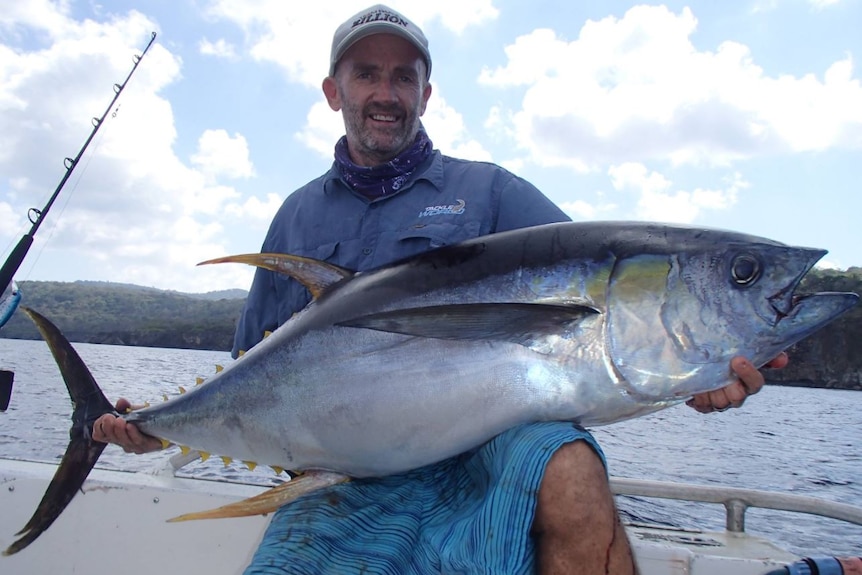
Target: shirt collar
<point x="431" y="171"/>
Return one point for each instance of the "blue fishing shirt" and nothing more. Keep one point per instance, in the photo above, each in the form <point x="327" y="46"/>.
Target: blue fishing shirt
<point x="445" y="201"/>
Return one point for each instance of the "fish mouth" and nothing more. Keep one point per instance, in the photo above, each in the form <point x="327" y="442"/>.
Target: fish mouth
<point x="784" y="306"/>
<point x="787" y="301"/>
<point x="812" y="309"/>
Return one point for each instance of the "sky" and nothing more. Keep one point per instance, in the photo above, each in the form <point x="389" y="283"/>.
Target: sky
<point x="742" y="115"/>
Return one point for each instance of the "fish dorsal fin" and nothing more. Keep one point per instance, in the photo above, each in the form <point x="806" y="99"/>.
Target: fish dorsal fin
<point x="317" y="276"/>
<point x="519" y="323"/>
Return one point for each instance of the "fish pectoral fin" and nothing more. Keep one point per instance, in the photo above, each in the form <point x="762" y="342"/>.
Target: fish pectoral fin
<point x="514" y="322"/>
<point x="317" y="276"/>
<point x="271" y="499"/>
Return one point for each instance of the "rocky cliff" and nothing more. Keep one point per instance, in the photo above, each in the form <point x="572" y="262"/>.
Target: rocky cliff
<point x="831" y="358"/>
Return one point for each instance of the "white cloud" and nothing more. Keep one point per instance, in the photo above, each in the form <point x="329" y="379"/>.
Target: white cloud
<point x="582" y="210"/>
<point x="221" y="48"/>
<point x="823" y="4"/>
<point x="322" y="129"/>
<point x="43" y="14"/>
<point x="449" y="133"/>
<point x="762" y="6"/>
<point x="299" y="41"/>
<point x="636" y="89"/>
<point x="455" y="15"/>
<point x="13" y="224"/>
<point x="657" y="199"/>
<point x="220" y="155"/>
<point x="828" y="265"/>
<point x="256" y="210"/>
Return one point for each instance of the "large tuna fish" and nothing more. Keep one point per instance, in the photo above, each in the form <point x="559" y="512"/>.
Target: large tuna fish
<point x="396" y="368"/>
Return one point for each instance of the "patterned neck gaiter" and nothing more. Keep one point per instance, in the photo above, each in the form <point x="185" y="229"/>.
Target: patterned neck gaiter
<point x="378" y="181"/>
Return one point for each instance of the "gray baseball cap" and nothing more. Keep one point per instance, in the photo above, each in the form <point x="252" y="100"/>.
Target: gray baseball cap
<point x="378" y="19"/>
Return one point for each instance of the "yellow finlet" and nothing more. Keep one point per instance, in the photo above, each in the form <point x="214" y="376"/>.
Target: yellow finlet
<point x="278" y="470"/>
<point x="226" y="460"/>
<point x="219" y="368"/>
<point x="185" y="449"/>
<point x="199" y="380"/>
<point x="165" y="443"/>
<point x="266" y="334"/>
<point x="204" y="455"/>
<point x="182" y="390"/>
<point x="240" y="353"/>
<point x="165" y="396"/>
<point x="250" y="464"/>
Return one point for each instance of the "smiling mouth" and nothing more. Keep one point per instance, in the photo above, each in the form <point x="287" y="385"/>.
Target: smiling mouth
<point x="384" y="118"/>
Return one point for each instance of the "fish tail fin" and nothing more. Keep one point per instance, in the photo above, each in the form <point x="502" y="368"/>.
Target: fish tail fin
<point x="79" y="459"/>
<point x="82" y="452"/>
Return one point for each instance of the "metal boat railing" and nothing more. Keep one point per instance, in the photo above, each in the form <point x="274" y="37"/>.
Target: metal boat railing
<point x="737" y="501"/>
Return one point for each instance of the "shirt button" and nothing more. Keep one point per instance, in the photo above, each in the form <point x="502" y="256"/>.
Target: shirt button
<point x="366" y="251"/>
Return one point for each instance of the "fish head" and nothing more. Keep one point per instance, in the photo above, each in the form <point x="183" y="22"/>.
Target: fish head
<point x="676" y="319"/>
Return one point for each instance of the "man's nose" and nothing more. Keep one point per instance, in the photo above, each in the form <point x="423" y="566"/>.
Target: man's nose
<point x="385" y="90"/>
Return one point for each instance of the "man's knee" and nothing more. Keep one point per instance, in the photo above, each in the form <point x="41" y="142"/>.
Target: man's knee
<point x="575" y="467"/>
<point x="574" y="490"/>
<point x="576" y="528"/>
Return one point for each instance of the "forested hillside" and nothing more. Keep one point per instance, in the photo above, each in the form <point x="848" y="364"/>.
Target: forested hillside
<point x="96" y="312"/>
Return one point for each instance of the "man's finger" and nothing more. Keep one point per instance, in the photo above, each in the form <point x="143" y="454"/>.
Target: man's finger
<point x="779" y="362"/>
<point x="749" y="376"/>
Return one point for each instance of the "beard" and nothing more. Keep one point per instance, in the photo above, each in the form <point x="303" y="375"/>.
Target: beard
<point x="378" y="142"/>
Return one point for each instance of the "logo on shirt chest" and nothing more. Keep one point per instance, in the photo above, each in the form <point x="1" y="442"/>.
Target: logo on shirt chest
<point x="452" y="209"/>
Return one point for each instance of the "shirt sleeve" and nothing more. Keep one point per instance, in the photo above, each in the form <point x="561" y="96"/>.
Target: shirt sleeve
<point x="262" y="308"/>
<point x="523" y="205"/>
<point x="258" y="314"/>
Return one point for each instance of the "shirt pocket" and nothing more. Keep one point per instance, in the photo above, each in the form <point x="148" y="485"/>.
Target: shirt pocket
<point x="412" y="241"/>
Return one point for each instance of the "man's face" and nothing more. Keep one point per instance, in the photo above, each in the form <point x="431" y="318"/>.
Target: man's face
<point x="380" y="88"/>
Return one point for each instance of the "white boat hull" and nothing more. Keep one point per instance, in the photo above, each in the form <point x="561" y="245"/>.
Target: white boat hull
<point x="118" y="523"/>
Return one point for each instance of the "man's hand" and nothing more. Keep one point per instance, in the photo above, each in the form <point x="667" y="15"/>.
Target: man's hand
<point x="750" y="382"/>
<point x="111" y="429"/>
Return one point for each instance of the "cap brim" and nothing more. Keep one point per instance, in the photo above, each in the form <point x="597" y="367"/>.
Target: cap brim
<point x="379" y="28"/>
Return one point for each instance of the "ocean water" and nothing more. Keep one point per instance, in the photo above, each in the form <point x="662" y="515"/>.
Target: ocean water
<point x="795" y="440"/>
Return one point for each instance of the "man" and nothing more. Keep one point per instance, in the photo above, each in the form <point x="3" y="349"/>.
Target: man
<point x="536" y="498"/>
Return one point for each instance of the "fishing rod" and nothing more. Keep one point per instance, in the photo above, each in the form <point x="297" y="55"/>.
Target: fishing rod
<point x="36" y="216"/>
<point x="9" y="302"/>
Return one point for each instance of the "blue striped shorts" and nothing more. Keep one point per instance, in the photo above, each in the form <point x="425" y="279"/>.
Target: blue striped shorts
<point x="468" y="514"/>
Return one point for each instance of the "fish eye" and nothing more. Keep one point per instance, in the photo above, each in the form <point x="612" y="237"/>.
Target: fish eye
<point x="745" y="269"/>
